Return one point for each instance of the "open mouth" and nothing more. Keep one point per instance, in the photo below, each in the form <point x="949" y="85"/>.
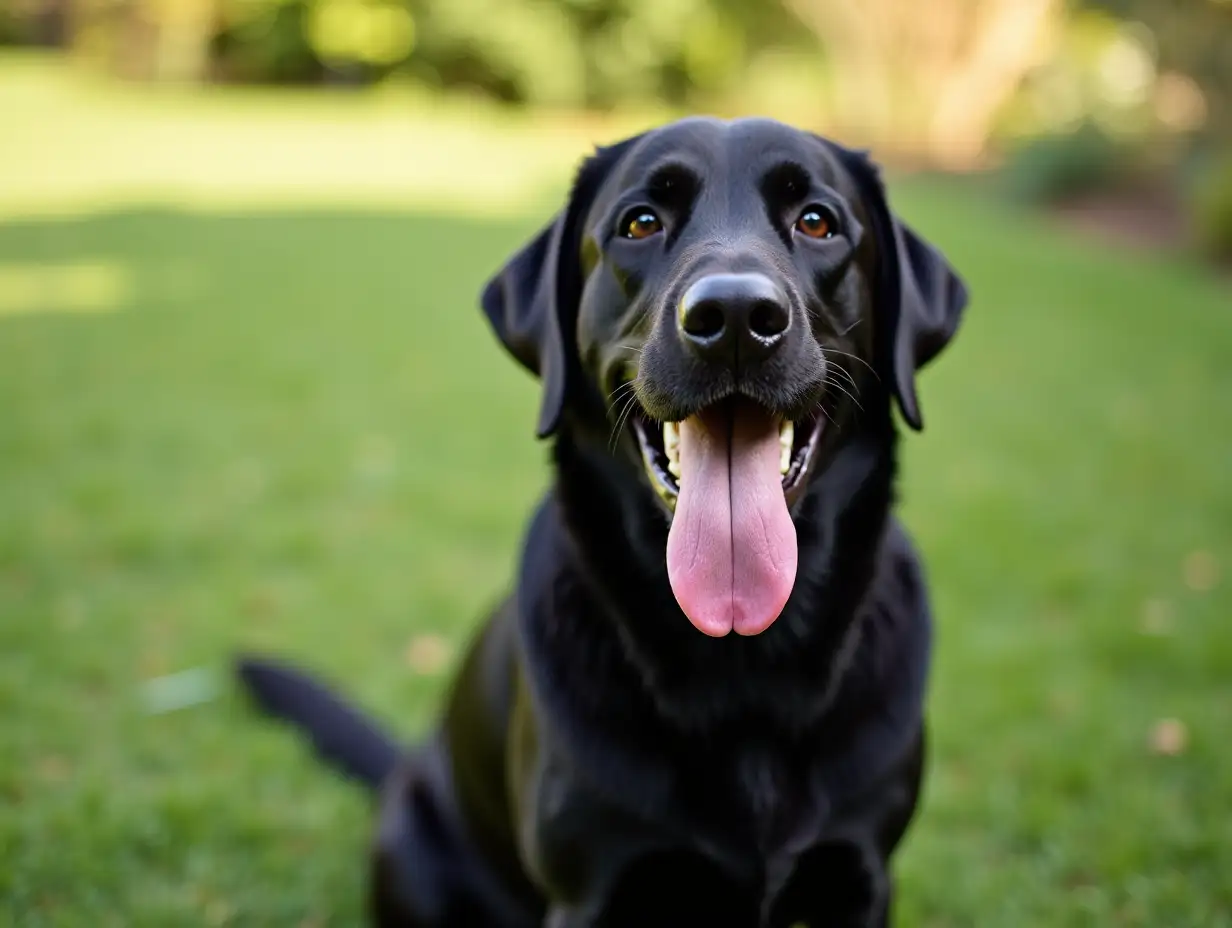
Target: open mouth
<point x="660" y="446"/>
<point x="729" y="474"/>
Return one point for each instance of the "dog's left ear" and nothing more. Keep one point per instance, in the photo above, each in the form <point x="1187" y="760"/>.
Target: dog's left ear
<point x="922" y="295"/>
<point x="532" y="302"/>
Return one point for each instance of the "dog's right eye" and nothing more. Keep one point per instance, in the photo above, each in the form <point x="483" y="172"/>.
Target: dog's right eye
<point x="640" y="223"/>
<point x="817" y="222"/>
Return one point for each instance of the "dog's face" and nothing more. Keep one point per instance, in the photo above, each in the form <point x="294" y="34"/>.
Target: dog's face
<point x="718" y="266"/>
<point x="724" y="289"/>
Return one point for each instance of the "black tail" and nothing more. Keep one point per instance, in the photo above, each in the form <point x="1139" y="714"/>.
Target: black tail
<point x="341" y="735"/>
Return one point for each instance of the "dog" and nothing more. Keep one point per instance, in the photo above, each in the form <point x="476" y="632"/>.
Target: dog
<point x="703" y="701"/>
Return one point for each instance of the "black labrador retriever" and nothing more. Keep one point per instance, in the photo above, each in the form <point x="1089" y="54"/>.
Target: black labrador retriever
<point x="722" y="318"/>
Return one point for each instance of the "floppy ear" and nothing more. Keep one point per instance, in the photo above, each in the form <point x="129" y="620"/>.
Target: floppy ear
<point x="532" y="302"/>
<point x="919" y="295"/>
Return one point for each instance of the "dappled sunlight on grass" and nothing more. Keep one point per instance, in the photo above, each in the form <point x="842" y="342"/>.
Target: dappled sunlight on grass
<point x="75" y="144"/>
<point x="81" y="286"/>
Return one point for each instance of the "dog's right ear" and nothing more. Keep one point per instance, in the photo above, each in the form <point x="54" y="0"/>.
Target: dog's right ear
<point x="532" y="302"/>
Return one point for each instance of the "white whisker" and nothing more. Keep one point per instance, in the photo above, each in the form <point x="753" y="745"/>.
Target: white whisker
<point x="838" y="386"/>
<point x="621" y="420"/>
<point x="847" y="354"/>
<point x="846" y="373"/>
<point x="620" y="392"/>
<point x="850" y="327"/>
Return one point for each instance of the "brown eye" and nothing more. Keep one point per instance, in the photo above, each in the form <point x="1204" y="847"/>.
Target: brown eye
<point x="816" y="222"/>
<point x="641" y="223"/>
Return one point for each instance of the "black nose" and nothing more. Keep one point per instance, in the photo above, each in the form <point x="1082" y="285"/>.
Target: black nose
<point x="737" y="318"/>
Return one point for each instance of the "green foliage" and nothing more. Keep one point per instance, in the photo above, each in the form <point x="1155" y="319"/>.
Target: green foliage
<point x="1194" y="38"/>
<point x="362" y="31"/>
<point x="1210" y="209"/>
<point x="1058" y="167"/>
<point x="568" y="53"/>
<point x="522" y="51"/>
<point x="267" y="43"/>
<point x="1100" y="70"/>
<point x="572" y="53"/>
<point x="579" y="52"/>
<point x="13" y="31"/>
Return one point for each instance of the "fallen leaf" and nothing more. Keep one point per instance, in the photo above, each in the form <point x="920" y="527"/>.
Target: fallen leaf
<point x="219" y="912"/>
<point x="261" y="603"/>
<point x="376" y="458"/>
<point x="179" y="690"/>
<point x="53" y="769"/>
<point x="1158" y="616"/>
<point x="1169" y="737"/>
<point x="427" y="654"/>
<point x="1201" y="571"/>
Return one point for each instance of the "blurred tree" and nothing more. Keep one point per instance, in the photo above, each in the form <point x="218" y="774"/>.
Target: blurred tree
<point x="595" y="53"/>
<point x="1101" y="70"/>
<point x="931" y="78"/>
<point x="1193" y="47"/>
<point x="514" y="49"/>
<point x="265" y="41"/>
<point x="648" y="49"/>
<point x="369" y="33"/>
<point x="40" y="23"/>
<point x="143" y="39"/>
<point x="183" y="30"/>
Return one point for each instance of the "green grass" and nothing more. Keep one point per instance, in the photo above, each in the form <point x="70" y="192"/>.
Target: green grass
<point x="291" y="430"/>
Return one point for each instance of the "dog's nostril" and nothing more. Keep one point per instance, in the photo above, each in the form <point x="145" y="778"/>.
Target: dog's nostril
<point x="728" y="317"/>
<point x="768" y="319"/>
<point x="704" y="320"/>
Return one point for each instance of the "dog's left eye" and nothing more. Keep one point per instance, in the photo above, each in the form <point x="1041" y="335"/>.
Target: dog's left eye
<point x="640" y="223"/>
<point x="817" y="222"/>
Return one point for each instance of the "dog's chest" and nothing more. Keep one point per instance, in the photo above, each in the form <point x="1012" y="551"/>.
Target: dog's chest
<point x="771" y="803"/>
<point x="775" y="838"/>
<point x="747" y="833"/>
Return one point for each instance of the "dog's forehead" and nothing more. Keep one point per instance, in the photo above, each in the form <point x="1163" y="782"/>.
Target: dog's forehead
<point x="738" y="151"/>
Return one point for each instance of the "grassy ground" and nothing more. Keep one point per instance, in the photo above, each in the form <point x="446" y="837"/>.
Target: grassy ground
<point x="289" y="429"/>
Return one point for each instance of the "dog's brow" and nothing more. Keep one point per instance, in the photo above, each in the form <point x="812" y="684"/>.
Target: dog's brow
<point x="785" y="181"/>
<point x="673" y="183"/>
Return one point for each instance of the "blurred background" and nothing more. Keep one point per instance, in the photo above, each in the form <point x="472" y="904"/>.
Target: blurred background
<point x="247" y="399"/>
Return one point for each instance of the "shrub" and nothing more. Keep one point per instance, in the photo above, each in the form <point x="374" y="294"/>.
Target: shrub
<point x="1210" y="210"/>
<point x="1060" y="167"/>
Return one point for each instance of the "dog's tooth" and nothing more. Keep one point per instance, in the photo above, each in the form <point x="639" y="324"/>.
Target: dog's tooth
<point x="671" y="445"/>
<point x="787" y="434"/>
<point x="671" y="436"/>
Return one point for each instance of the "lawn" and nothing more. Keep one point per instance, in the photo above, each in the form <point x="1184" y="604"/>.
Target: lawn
<point x="285" y="426"/>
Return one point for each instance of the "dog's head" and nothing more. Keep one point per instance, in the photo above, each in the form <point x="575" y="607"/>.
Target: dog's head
<point x="726" y="289"/>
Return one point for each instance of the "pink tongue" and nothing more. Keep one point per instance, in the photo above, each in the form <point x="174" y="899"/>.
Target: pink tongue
<point x="731" y="551"/>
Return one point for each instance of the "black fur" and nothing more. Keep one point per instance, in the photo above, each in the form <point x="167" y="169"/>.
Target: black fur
<point x="340" y="735"/>
<point x="599" y="761"/>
